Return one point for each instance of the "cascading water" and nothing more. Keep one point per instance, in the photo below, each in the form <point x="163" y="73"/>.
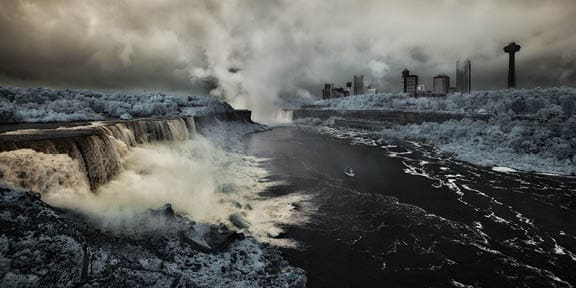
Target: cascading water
<point x="283" y="117"/>
<point x="115" y="170"/>
<point x="98" y="150"/>
<point x="37" y="171"/>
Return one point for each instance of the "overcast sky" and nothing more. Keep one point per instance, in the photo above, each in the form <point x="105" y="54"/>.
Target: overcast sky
<point x="252" y="51"/>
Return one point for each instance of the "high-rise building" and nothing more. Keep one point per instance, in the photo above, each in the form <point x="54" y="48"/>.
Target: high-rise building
<point x="464" y="76"/>
<point x="410" y="82"/>
<point x="358" y="88"/>
<point x="327" y="91"/>
<point x="441" y="84"/>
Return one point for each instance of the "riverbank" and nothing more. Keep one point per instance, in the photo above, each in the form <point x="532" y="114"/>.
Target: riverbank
<point x="517" y="144"/>
<point x="532" y="130"/>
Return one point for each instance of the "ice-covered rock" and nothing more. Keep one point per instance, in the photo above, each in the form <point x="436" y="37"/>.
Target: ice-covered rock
<point x="239" y="221"/>
<point x="125" y="116"/>
<point x="166" y="210"/>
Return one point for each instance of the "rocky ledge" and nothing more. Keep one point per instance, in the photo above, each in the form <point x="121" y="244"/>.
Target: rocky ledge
<point x="42" y="246"/>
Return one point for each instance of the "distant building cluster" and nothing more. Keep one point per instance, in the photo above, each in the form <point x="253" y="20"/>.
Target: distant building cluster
<point x="356" y="87"/>
<point x="441" y="84"/>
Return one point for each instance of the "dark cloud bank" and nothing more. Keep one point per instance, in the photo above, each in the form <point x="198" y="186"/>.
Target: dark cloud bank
<point x="252" y="51"/>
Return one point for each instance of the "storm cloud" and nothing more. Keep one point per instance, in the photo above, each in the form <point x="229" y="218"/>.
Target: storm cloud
<point x="254" y="53"/>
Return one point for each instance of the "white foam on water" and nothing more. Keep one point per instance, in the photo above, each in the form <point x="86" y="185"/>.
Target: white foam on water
<point x="504" y="169"/>
<point x="459" y="284"/>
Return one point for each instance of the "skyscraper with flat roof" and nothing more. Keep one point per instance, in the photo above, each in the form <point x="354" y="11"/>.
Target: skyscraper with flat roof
<point x="358" y="88"/>
<point x="464" y="76"/>
<point x="441" y="84"/>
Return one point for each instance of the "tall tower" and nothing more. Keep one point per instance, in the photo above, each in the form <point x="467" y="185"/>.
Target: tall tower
<point x="511" y="49"/>
<point x="464" y="76"/>
<point x="405" y="75"/>
<point x="358" y="85"/>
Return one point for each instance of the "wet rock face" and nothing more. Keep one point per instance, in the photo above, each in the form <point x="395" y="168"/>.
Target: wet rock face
<point x="165" y="211"/>
<point x="34" y="240"/>
<point x="239" y="221"/>
<point x="219" y="237"/>
<point x="41" y="246"/>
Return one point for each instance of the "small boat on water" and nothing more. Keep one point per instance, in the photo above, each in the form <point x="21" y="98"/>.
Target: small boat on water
<point x="349" y="172"/>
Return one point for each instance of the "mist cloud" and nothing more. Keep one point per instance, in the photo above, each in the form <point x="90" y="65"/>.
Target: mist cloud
<point x="252" y="52"/>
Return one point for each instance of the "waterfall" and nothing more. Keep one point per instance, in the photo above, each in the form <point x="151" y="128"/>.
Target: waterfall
<point x="86" y="156"/>
<point x="89" y="169"/>
<point x="283" y="116"/>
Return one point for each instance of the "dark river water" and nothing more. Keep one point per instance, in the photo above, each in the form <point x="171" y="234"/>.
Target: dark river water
<point x="414" y="217"/>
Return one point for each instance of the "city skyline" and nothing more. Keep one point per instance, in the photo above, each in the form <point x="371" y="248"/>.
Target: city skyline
<point x="412" y="83"/>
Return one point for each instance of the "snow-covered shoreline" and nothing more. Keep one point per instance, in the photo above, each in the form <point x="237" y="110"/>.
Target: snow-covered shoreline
<point x="532" y="130"/>
<point x="474" y="145"/>
<point x="498" y="160"/>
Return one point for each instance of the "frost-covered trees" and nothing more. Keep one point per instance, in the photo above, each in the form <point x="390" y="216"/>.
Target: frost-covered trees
<point x="559" y="101"/>
<point x="49" y="105"/>
<point x="519" y="144"/>
<point x="541" y="144"/>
